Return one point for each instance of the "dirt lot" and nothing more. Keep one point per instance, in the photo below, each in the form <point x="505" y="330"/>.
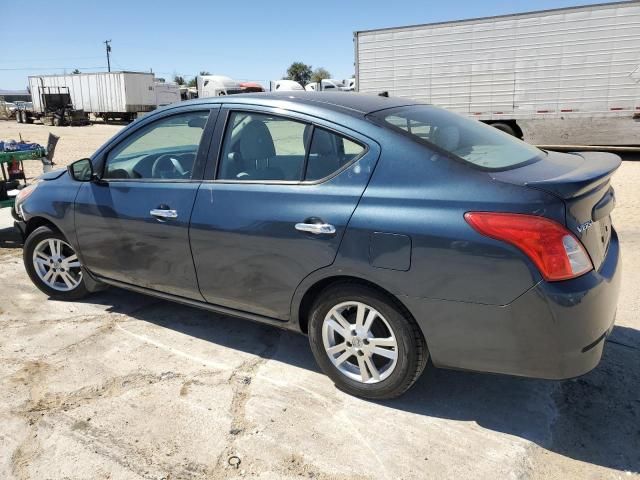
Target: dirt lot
<point x="124" y="386"/>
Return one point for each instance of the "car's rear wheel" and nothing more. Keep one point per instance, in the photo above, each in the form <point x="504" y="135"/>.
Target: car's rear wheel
<point x="365" y="342"/>
<point x="53" y="265"/>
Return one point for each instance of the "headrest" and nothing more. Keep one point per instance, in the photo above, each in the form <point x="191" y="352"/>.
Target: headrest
<point x="447" y="137"/>
<point x="256" y="142"/>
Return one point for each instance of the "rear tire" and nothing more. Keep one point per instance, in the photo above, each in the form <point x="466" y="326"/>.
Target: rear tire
<point x="375" y="359"/>
<point x="53" y="265"/>
<point x="505" y="127"/>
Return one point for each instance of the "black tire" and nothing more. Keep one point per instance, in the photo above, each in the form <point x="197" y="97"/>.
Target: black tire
<point x="26" y="118"/>
<point x="505" y="127"/>
<point x="18" y="116"/>
<point x="412" y="352"/>
<point x="32" y="241"/>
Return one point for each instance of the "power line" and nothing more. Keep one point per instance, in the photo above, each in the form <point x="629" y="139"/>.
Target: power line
<point x="48" y="68"/>
<point x="49" y="58"/>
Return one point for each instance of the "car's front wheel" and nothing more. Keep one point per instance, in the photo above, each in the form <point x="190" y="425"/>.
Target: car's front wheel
<point x="365" y="342"/>
<point x="53" y="265"/>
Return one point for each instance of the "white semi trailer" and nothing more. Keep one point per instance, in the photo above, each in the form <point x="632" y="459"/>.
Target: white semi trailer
<point x="569" y="76"/>
<point x="106" y="95"/>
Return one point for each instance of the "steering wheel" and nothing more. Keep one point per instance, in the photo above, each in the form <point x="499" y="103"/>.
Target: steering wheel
<point x="167" y="166"/>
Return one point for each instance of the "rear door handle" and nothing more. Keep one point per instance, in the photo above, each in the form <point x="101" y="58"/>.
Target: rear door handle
<point x="316" y="228"/>
<point x="161" y="213"/>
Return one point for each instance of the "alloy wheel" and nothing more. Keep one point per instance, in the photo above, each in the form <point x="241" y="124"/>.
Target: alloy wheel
<point x="57" y="264"/>
<point x="360" y="342"/>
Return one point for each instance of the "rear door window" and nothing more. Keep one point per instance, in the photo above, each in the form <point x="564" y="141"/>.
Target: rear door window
<point x="263" y="147"/>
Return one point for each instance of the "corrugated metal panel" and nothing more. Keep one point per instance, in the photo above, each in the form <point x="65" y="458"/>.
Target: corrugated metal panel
<point x="572" y="62"/>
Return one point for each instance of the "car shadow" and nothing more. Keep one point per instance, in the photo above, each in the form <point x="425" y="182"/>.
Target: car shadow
<point x="593" y="419"/>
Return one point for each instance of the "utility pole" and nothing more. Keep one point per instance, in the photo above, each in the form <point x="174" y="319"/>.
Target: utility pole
<point x="107" y="44"/>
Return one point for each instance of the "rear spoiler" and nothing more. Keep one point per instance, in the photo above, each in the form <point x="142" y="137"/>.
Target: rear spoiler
<point x="564" y="175"/>
<point x="596" y="169"/>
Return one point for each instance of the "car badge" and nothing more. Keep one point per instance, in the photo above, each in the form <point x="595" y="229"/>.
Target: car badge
<point x="583" y="227"/>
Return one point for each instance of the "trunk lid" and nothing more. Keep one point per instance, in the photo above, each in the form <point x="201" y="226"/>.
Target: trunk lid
<point x="583" y="182"/>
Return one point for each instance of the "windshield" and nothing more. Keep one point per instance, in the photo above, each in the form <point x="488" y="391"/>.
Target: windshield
<point x="467" y="139"/>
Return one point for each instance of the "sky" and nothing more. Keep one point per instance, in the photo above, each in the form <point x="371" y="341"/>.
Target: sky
<point x="245" y="40"/>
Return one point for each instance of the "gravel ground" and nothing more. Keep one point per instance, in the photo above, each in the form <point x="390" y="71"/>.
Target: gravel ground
<point x="124" y="386"/>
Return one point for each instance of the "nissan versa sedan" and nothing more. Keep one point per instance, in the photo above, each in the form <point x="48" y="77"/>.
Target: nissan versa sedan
<point x="388" y="231"/>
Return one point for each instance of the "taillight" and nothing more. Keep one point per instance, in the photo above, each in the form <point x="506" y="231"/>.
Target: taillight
<point x="557" y="253"/>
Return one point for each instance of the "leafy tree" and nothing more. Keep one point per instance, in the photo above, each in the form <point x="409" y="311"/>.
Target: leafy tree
<point x="320" y="74"/>
<point x="76" y="71"/>
<point x="300" y="72"/>
<point x="179" y="79"/>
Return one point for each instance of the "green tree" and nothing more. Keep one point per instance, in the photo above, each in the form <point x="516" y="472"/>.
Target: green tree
<point x="194" y="81"/>
<point x="320" y="74"/>
<point x="179" y="79"/>
<point x="300" y="72"/>
<point x="76" y="71"/>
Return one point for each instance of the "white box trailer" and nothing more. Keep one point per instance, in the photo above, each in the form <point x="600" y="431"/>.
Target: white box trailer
<point x="557" y="77"/>
<point x="166" y="93"/>
<point x="105" y="94"/>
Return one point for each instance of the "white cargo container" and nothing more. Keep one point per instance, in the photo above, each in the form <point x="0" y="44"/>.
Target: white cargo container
<point x="166" y="93"/>
<point x="557" y="77"/>
<point x="105" y="94"/>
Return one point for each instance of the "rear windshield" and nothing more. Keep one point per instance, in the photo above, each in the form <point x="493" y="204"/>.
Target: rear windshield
<point x="468" y="140"/>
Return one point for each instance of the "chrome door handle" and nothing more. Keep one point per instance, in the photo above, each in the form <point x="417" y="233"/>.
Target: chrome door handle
<point x="162" y="213"/>
<point x="316" y="228"/>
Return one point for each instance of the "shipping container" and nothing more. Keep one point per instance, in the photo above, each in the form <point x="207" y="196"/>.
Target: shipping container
<point x="557" y="77"/>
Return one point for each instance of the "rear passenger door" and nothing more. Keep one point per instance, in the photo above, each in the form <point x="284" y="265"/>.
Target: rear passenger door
<point x="274" y="205"/>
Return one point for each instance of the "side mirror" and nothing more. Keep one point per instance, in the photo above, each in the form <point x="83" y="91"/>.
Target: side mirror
<point x="81" y="170"/>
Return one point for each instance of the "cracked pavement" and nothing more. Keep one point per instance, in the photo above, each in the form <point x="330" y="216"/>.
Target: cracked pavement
<point x="123" y="386"/>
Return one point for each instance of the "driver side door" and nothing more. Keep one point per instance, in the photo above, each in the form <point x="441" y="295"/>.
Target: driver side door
<point x="133" y="224"/>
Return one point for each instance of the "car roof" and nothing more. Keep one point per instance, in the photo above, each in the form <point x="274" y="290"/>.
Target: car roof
<point x="345" y="102"/>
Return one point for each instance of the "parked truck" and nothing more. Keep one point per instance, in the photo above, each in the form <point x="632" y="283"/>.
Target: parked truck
<point x="568" y="76"/>
<point x="216" y="86"/>
<point x="107" y="95"/>
<point x="325" y="85"/>
<point x="50" y="105"/>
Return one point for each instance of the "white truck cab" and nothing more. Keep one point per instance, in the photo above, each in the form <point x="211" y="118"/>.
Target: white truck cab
<point x="287" y="86"/>
<point x="216" y="86"/>
<point x="326" y="85"/>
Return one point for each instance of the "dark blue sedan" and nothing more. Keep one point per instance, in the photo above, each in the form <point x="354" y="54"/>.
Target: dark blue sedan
<point x="388" y="231"/>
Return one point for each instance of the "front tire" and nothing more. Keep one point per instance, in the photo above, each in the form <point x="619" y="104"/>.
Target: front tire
<point x="53" y="265"/>
<point x="366" y="343"/>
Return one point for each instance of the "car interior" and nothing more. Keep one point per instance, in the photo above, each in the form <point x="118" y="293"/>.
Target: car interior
<point x="251" y="152"/>
<point x="164" y="162"/>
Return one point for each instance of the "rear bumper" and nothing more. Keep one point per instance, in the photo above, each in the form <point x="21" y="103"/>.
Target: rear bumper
<point x="554" y="330"/>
